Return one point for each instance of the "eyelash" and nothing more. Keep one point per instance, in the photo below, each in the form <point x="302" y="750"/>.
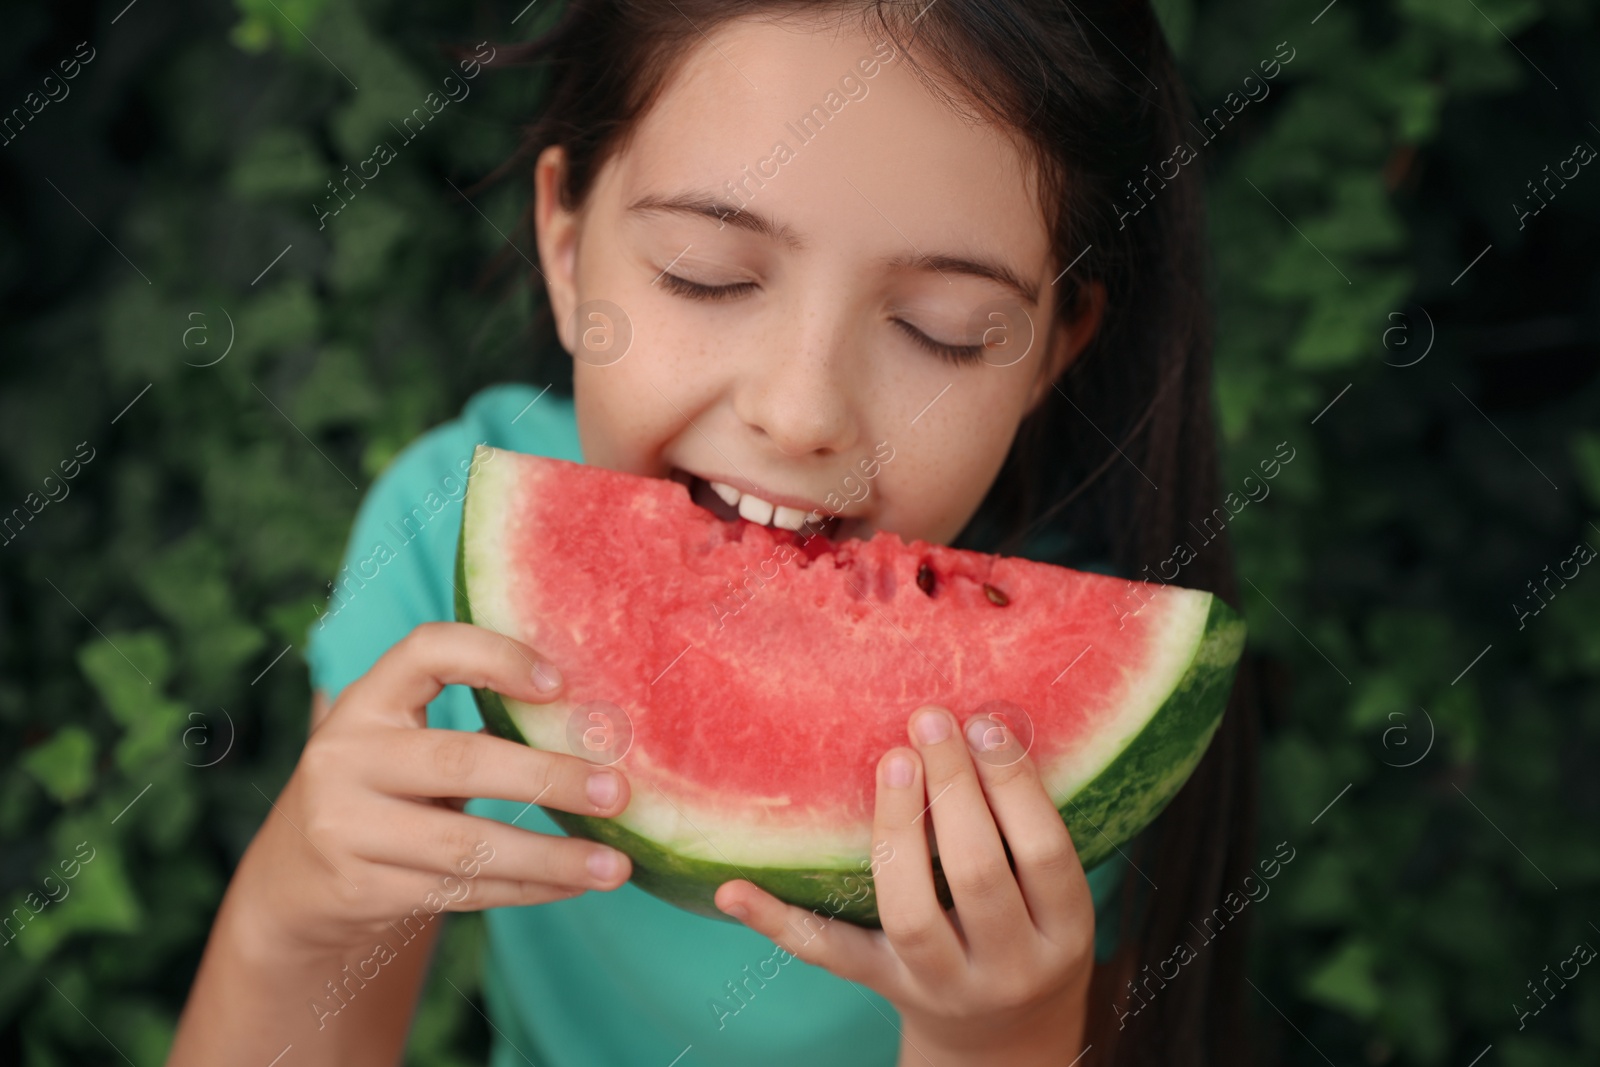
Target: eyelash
<point x="957" y="354"/>
<point x="696" y="291"/>
<point x="960" y="355"/>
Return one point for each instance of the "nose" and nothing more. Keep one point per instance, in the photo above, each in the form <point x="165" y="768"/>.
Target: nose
<point x="800" y="396"/>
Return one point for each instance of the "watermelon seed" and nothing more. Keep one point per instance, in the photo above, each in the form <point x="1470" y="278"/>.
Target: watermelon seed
<point x="995" y="596"/>
<point x="925" y="579"/>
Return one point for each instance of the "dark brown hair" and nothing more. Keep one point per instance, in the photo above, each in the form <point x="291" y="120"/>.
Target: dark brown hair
<point x="1120" y="456"/>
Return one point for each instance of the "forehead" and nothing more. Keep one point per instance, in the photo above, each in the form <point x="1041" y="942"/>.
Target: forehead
<point x="786" y="113"/>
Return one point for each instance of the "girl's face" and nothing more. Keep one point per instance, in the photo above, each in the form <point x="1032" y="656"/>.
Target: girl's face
<point x="808" y="279"/>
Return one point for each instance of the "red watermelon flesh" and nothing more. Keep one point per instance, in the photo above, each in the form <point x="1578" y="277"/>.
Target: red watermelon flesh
<point x="751" y="677"/>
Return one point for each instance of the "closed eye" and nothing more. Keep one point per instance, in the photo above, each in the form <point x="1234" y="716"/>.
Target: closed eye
<point x="695" y="291"/>
<point x="957" y="354"/>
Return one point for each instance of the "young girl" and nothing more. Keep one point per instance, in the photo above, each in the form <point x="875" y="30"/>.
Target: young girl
<point x="774" y="236"/>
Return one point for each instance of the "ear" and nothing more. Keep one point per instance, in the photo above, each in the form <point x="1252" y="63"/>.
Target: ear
<point x="557" y="230"/>
<point x="1068" y="339"/>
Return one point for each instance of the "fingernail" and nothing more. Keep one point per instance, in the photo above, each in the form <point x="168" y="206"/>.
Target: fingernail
<point x="602" y="789"/>
<point x="604" y="863"/>
<point x="898" y="773"/>
<point x="985" y="734"/>
<point x="932" y="727"/>
<point x="738" y="911"/>
<point x="546" y="678"/>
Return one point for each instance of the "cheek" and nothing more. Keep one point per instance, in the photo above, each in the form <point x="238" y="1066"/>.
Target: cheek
<point x="622" y="421"/>
<point x="943" y="467"/>
<point x="629" y="410"/>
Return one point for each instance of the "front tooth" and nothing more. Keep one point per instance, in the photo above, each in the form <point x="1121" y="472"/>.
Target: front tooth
<point x="728" y="493"/>
<point x="755" y="509"/>
<point x="788" y="518"/>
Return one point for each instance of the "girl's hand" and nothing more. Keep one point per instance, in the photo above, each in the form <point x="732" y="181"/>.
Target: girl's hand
<point x="370" y="827"/>
<point x="1003" y="976"/>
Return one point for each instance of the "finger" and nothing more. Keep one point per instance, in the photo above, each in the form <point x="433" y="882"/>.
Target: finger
<point x="427" y="894"/>
<point x="504" y="893"/>
<point x="454" y="763"/>
<point x="974" y="860"/>
<point x="913" y="919"/>
<point x="442" y="842"/>
<point x="1047" y="869"/>
<point x="847" y="950"/>
<point x="411" y="673"/>
<point x="458" y="803"/>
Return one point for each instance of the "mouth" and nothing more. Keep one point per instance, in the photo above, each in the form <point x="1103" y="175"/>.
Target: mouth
<point x="731" y="504"/>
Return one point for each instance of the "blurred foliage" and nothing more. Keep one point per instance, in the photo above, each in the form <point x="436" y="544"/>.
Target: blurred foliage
<point x="153" y="690"/>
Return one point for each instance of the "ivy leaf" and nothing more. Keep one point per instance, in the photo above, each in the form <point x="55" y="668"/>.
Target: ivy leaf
<point x="97" y="897"/>
<point x="1346" y="983"/>
<point x="265" y="23"/>
<point x="1586" y="458"/>
<point x="278" y="163"/>
<point x="64" y="765"/>
<point x="127" y="670"/>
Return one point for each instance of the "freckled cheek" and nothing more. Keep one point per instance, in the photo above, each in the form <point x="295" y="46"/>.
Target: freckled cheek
<point x="988" y="440"/>
<point x="617" y="423"/>
<point x="930" y="491"/>
<point x="676" y="339"/>
<point x="629" y="411"/>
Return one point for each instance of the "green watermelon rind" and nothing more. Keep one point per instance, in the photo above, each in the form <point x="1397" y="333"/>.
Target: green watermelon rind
<point x="1106" y="813"/>
<point x="1131" y="790"/>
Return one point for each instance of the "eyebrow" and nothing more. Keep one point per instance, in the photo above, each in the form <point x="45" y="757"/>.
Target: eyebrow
<point x="718" y="211"/>
<point x="723" y="213"/>
<point x="977" y="268"/>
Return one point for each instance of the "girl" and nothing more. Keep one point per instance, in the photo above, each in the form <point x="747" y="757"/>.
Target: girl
<point x="776" y="235"/>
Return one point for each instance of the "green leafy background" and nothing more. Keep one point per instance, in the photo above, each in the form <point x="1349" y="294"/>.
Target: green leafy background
<point x="144" y="614"/>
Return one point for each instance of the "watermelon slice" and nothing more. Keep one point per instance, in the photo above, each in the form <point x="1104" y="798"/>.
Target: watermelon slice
<point x="747" y="678"/>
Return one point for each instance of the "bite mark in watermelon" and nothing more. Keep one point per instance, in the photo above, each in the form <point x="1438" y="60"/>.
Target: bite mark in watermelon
<point x="755" y="734"/>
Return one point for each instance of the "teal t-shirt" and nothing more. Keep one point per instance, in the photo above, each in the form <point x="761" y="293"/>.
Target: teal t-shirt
<point x="603" y="978"/>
